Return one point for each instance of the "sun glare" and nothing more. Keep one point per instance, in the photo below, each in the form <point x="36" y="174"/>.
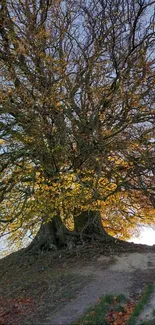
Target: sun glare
<point x="146" y="236"/>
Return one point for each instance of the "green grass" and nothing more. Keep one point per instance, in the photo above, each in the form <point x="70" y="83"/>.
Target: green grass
<point x="141" y="304"/>
<point x="153" y="312"/>
<point x="149" y="322"/>
<point x="96" y="315"/>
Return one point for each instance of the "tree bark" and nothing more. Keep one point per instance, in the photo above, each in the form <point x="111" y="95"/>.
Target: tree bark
<point x="54" y="235"/>
<point x="89" y="223"/>
<point x="50" y="236"/>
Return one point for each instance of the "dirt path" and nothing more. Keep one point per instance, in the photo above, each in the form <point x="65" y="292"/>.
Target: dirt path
<point x="57" y="288"/>
<point x="126" y="273"/>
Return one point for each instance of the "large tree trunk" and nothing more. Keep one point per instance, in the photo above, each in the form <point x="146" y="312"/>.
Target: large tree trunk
<point x="89" y="225"/>
<point x="51" y="236"/>
<point x="54" y="235"/>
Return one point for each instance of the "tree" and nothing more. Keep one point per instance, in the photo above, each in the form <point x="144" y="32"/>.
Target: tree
<point x="77" y="118"/>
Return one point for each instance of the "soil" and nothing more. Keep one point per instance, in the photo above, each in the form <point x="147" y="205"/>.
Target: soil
<point x="55" y="288"/>
<point x="149" y="312"/>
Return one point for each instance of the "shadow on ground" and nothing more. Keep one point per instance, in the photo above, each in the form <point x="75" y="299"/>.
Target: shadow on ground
<point x="56" y="288"/>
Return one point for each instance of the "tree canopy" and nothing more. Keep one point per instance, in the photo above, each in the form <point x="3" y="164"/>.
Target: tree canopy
<point x="77" y="112"/>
